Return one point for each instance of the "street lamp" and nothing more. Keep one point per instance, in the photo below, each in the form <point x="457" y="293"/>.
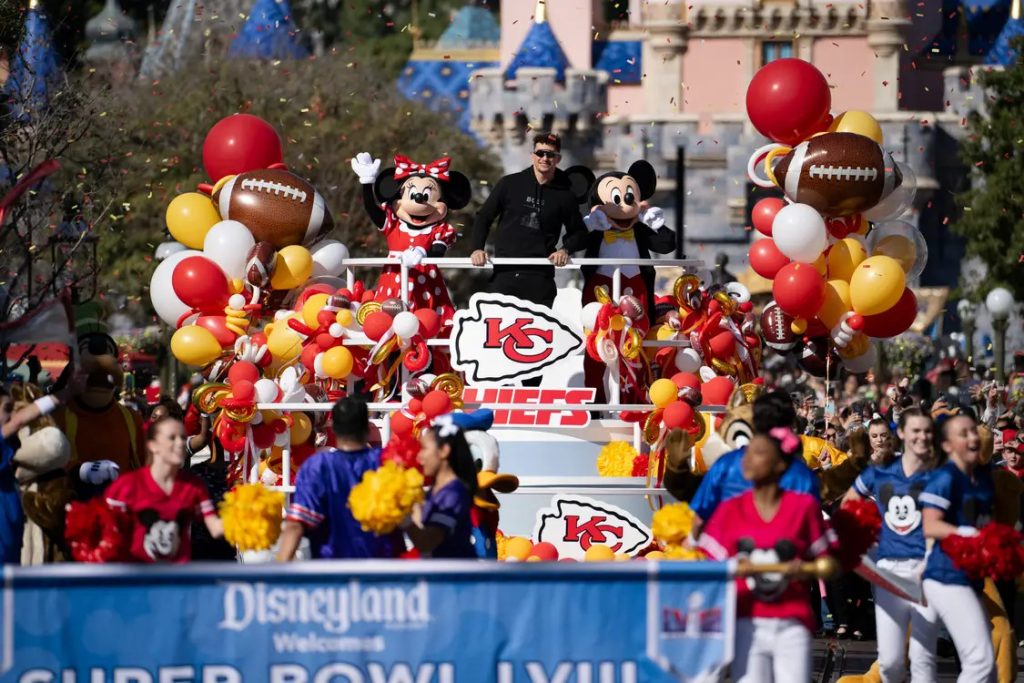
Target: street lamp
<point x="967" y="312"/>
<point x="1000" y="304"/>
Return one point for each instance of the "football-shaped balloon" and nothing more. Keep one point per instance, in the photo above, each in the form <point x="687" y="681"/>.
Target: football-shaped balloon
<point x="277" y="206"/>
<point x="838" y="174"/>
<point x="259" y="264"/>
<point x="776" y="328"/>
<point x="392" y="306"/>
<point x="815" y="359"/>
<point x="631" y="307"/>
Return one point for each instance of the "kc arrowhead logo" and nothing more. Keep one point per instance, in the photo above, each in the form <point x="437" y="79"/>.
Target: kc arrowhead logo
<point x="501" y="338"/>
<point x="574" y="523"/>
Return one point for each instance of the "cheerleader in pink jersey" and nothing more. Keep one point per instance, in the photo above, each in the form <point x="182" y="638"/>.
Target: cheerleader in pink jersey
<point x="768" y="525"/>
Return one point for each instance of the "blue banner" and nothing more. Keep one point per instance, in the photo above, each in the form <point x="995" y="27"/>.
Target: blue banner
<point x="368" y="622"/>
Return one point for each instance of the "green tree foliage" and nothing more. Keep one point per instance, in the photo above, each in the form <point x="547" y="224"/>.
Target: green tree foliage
<point x="993" y="218"/>
<point x="327" y="110"/>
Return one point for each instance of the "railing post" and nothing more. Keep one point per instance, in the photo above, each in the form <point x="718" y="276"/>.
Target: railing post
<point x="403" y="282"/>
<point x="614" y="384"/>
<point x="350" y="278"/>
<point x="617" y="285"/>
<point x="286" y="460"/>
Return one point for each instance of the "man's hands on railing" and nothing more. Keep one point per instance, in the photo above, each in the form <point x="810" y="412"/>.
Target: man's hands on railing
<point x="478" y="258"/>
<point x="559" y="258"/>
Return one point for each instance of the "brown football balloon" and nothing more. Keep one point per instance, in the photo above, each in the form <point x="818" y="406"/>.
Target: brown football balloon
<point x="392" y="306"/>
<point x="776" y="328"/>
<point x="838" y="174"/>
<point x="277" y="206"/>
<point x="260" y="263"/>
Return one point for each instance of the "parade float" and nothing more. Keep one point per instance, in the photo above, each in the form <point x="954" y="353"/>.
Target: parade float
<point x="282" y="321"/>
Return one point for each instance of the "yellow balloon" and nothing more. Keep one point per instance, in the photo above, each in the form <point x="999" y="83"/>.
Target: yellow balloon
<point x="617" y="323"/>
<point x="844" y="257"/>
<point x="283" y="342"/>
<point x="857" y="347"/>
<point x="837" y="302"/>
<point x="865" y="227"/>
<point x="821" y="265"/>
<point x="301" y="428"/>
<point x="798" y="326"/>
<point x="518" y="548"/>
<point x="312" y="307"/>
<point x="859" y="122"/>
<point x="599" y="553"/>
<point x="899" y="248"/>
<point x="189" y="217"/>
<point x="663" y="392"/>
<point x="194" y="345"/>
<point x="294" y="266"/>
<point x="344" y="317"/>
<point x="877" y="285"/>
<point x="337" y="362"/>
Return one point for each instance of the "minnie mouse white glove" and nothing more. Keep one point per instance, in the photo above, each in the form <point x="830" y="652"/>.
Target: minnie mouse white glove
<point x="597" y="221"/>
<point x="99" y="472"/>
<point x="653" y="217"/>
<point x="413" y="256"/>
<point x="366" y="167"/>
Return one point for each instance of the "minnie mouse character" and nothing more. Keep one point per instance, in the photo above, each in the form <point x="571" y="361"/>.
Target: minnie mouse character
<point x="410" y="204"/>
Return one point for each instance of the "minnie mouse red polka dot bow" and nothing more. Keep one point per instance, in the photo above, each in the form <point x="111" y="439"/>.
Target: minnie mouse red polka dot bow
<point x="405" y="167"/>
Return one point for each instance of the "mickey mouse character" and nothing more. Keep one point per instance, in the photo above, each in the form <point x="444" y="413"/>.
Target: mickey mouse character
<point x="162" y="537"/>
<point x="901" y="513"/>
<point x="770" y="585"/>
<point x="410" y="204"/>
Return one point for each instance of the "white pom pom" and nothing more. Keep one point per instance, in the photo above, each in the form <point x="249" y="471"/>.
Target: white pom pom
<point x="236" y="301"/>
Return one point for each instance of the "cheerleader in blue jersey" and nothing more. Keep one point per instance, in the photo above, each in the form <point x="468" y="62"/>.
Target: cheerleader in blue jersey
<point x="896" y="489"/>
<point x="958" y="500"/>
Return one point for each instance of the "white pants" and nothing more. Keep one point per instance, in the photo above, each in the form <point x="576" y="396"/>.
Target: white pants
<point x="963" y="616"/>
<point x="771" y="651"/>
<point x="893" y="615"/>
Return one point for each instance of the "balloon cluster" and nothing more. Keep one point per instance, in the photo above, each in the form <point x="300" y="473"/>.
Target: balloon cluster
<point x="615" y="333"/>
<point x="838" y="260"/>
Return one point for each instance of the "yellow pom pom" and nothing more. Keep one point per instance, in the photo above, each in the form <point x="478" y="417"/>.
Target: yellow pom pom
<point x="385" y="497"/>
<point x="501" y="544"/>
<point x="672" y="524"/>
<point x="682" y="552"/>
<point x="655" y="555"/>
<point x="616" y="459"/>
<point x="252" y="516"/>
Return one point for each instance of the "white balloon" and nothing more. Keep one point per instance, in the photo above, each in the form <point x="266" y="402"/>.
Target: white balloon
<point x="167" y="248"/>
<point x="329" y="258"/>
<point x="800" y="233"/>
<point x="161" y="293"/>
<point x="897" y="202"/>
<point x="863" y="362"/>
<point x="266" y="390"/>
<point x="227" y="244"/>
<point x="688" y="360"/>
<point x="589" y="314"/>
<point x="406" y="325"/>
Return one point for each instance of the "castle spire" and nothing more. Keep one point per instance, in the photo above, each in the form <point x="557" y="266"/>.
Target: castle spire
<point x="540" y="12"/>
<point x="35" y="75"/>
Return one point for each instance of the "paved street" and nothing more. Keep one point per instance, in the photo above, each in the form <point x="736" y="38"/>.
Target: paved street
<point x="859" y="656"/>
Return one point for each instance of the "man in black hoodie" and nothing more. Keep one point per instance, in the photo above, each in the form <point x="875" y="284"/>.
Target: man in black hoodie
<point x="533" y="205"/>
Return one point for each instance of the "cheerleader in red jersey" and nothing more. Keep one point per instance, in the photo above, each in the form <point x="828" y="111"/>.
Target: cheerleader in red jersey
<point x="162" y="500"/>
<point x="410" y="204"/>
<point x="770" y="525"/>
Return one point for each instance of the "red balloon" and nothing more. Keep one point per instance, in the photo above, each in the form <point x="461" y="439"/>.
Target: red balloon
<point x="840" y="227"/>
<point x="415" y="406"/>
<point x="722" y="345"/>
<point x="677" y="414"/>
<point x="799" y="290"/>
<point x="716" y="391"/>
<point x="401" y="424"/>
<point x="896" y="320"/>
<point x="308" y="356"/>
<point x="243" y="370"/>
<point x="430" y="322"/>
<point x="377" y="324"/>
<point x="259" y="340"/>
<point x="686" y="379"/>
<point x="435" y="403"/>
<point x="545" y="551"/>
<point x="218" y="325"/>
<point x="201" y="284"/>
<point x="788" y="100"/>
<point x="766" y="259"/>
<point x="856" y="322"/>
<point x="764" y="214"/>
<point x="263" y="435"/>
<point x="240" y="143"/>
<point x="243" y="390"/>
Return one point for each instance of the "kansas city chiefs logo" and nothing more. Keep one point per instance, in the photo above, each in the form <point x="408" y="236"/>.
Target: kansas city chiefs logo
<point x="574" y="523"/>
<point x="501" y="338"/>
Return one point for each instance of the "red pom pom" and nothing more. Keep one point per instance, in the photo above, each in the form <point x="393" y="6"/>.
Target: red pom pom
<point x="95" y="532"/>
<point x="641" y="465"/>
<point x="995" y="553"/>
<point x="857" y="524"/>
<point x="402" y="449"/>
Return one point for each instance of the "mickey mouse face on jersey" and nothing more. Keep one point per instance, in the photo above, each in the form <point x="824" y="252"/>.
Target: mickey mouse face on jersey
<point x="421" y="200"/>
<point x="771" y="585"/>
<point x="901" y="512"/>
<point x="163" y="537"/>
<point x="621" y="195"/>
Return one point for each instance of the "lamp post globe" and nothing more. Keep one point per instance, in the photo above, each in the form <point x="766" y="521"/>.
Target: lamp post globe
<point x="1000" y="304"/>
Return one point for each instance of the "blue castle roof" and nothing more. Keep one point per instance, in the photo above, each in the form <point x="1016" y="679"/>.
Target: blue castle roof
<point x="471" y="27"/>
<point x="1001" y="52"/>
<point x="35" y="76"/>
<point x="540" y="48"/>
<point x="989" y="30"/>
<point x="269" y="33"/>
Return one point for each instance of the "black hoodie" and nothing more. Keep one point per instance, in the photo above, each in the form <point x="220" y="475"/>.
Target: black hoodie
<point x="532" y="216"/>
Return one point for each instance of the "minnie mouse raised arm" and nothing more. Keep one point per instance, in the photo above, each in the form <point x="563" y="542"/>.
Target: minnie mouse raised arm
<point x="410" y="204"/>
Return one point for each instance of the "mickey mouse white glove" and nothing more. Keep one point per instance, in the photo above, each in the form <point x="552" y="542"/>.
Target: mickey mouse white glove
<point x="413" y="256"/>
<point x="99" y="472"/>
<point x="366" y="167"/>
<point x="597" y="221"/>
<point x="653" y="217"/>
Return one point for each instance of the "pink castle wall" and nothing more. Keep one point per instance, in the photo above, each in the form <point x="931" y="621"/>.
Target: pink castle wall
<point x="570" y="20"/>
<point x="715" y="82"/>
<point x="626" y="100"/>
<point x="848" y="65"/>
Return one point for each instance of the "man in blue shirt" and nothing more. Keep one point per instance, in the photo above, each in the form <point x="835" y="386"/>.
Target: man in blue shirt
<point x="319" y="506"/>
<point x="725" y="478"/>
